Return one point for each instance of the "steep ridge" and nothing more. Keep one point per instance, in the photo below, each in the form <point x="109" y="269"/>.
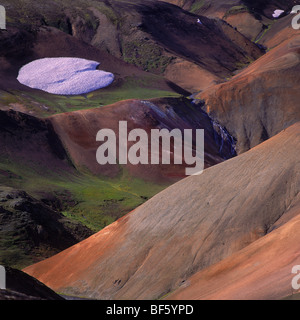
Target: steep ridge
<point x="261" y="100"/>
<point x="189" y="226"/>
<point x="261" y="271"/>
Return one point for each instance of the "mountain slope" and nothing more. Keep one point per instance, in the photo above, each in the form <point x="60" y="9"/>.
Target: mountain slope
<point x="31" y="231"/>
<point x="187" y="227"/>
<point x="261" y="271"/>
<point x="155" y="36"/>
<point x="164" y="113"/>
<point x="251" y="18"/>
<point x="262" y="99"/>
<point x="20" y="46"/>
<point x="20" y="286"/>
<point x="54" y="161"/>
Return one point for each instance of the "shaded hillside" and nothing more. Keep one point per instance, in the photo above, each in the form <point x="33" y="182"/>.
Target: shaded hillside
<point x="154" y="36"/>
<point x="31" y="141"/>
<point x="20" y="286"/>
<point x="252" y="18"/>
<point x="187" y="227"/>
<point x="31" y="231"/>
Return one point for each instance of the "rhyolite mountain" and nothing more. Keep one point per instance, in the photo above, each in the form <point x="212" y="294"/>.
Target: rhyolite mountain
<point x="50" y="159"/>
<point x="227" y="67"/>
<point x="260" y="271"/>
<point x="261" y="100"/>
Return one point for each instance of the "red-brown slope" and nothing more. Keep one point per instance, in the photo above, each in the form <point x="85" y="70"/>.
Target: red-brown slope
<point x="261" y="100"/>
<point x="187" y="227"/>
<point x="77" y="131"/>
<point x="263" y="270"/>
<point x="279" y="31"/>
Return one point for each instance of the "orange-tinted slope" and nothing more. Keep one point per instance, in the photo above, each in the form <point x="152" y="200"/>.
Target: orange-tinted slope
<point x="189" y="226"/>
<point x="279" y="31"/>
<point x="260" y="101"/>
<point x="263" y="270"/>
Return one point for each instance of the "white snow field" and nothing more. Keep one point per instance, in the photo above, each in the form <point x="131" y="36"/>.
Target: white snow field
<point x="65" y="76"/>
<point x="277" y="13"/>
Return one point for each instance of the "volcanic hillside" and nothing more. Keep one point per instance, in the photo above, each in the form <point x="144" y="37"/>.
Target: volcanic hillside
<point x="227" y="67"/>
<point x="261" y="100"/>
<point x="261" y="271"/>
<point x="253" y="18"/>
<point x="187" y="227"/>
<point x="54" y="160"/>
<point x="155" y="36"/>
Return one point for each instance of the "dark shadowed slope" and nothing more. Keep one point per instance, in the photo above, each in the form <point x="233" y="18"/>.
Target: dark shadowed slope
<point x="189" y="226"/>
<point x="31" y="231"/>
<point x="20" y="286"/>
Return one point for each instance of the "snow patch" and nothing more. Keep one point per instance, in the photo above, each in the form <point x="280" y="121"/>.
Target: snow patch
<point x="66" y="76"/>
<point x="277" y="13"/>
